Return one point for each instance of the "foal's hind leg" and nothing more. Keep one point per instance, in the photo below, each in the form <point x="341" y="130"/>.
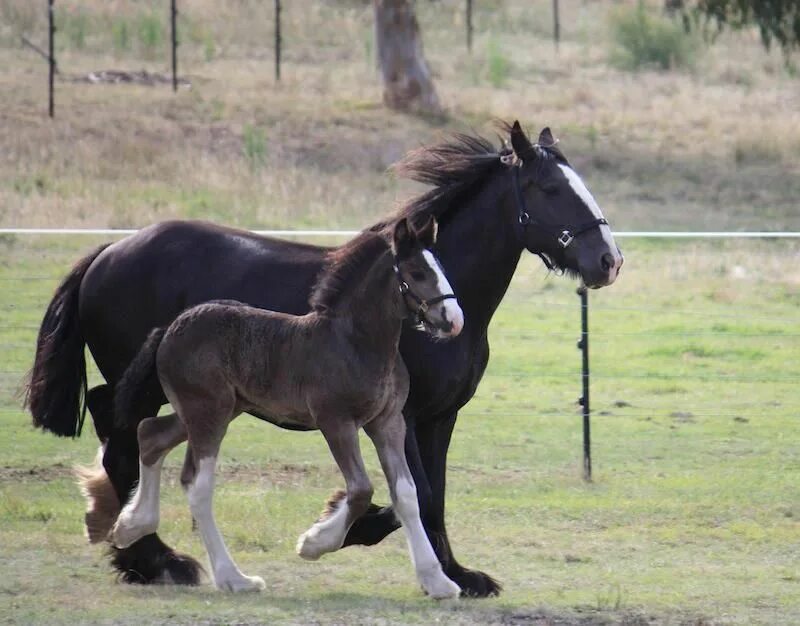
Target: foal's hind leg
<point x="140" y="516"/>
<point x="206" y="431"/>
<point x="327" y="535"/>
<point x="388" y="434"/>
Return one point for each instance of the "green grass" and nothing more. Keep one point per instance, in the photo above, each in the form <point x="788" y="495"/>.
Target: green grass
<point x="693" y="513"/>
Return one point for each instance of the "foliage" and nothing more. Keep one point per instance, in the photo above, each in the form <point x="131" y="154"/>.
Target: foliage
<point x="644" y="39"/>
<point x="777" y="20"/>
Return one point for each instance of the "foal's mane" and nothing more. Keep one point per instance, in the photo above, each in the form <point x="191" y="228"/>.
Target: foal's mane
<point x="343" y="265"/>
<point x="453" y="167"/>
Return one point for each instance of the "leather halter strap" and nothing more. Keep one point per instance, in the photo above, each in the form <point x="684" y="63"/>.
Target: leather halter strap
<point x="564" y="233"/>
<point x="422" y="306"/>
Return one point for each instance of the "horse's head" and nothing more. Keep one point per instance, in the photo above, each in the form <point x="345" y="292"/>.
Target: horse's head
<point x="426" y="291"/>
<point x="560" y="220"/>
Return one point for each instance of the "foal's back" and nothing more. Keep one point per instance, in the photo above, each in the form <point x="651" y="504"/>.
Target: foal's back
<point x="277" y="365"/>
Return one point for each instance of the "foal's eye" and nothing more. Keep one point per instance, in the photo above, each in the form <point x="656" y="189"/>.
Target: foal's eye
<point x="418" y="276"/>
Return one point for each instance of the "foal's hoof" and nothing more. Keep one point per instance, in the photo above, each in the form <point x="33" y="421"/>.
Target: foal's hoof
<point x="438" y="586"/>
<point x="241" y="583"/>
<point x="123" y="535"/>
<point x="309" y="546"/>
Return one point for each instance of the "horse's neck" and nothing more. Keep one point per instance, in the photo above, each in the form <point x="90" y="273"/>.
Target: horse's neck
<point x="372" y="310"/>
<point x="480" y="248"/>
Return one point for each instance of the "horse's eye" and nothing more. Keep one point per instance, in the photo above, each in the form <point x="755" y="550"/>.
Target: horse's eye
<point x="418" y="276"/>
<point x="550" y="189"/>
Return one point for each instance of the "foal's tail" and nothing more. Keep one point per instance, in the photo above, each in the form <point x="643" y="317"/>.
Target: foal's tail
<point x="140" y="377"/>
<point x="56" y="389"/>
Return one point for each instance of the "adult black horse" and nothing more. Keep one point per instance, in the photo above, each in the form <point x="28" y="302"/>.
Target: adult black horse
<point x="491" y="205"/>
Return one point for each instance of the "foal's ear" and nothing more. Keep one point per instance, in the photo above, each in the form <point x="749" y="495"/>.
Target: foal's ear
<point x="519" y="142"/>
<point x="402" y="238"/>
<point x="427" y="234"/>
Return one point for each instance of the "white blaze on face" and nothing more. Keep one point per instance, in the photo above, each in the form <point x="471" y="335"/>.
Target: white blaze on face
<point x="453" y="312"/>
<point x="583" y="193"/>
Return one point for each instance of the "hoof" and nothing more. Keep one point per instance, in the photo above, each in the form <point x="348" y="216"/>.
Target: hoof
<point x="474" y="583"/>
<point x="239" y="583"/>
<point x="438" y="586"/>
<point x="150" y="562"/>
<point x="124" y="534"/>
<point x="309" y="546"/>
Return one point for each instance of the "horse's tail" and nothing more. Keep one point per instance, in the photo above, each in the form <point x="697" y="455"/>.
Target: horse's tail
<point x="56" y="388"/>
<point x="137" y="383"/>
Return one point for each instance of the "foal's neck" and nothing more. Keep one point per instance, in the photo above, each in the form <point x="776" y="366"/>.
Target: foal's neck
<point x="373" y="309"/>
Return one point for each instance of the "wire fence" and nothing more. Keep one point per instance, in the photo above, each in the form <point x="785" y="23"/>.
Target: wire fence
<point x="676" y="363"/>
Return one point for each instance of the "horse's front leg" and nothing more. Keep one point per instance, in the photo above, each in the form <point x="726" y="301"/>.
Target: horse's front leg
<point x="328" y="533"/>
<point x="388" y="433"/>
<point x="433" y="439"/>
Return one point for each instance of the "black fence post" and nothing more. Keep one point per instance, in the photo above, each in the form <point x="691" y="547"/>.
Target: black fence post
<point x="556" y="24"/>
<point x="174" y="22"/>
<point x="469" y="25"/>
<point x="277" y="40"/>
<point x="52" y="57"/>
<point x="583" y="345"/>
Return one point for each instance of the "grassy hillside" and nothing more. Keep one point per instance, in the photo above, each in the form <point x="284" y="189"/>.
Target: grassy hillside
<point x="711" y="147"/>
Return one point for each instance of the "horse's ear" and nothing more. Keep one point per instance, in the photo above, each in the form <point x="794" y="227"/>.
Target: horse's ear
<point x="547" y="141"/>
<point x="402" y="238"/>
<point x="546" y="138"/>
<point x="519" y="142"/>
<point x="427" y="234"/>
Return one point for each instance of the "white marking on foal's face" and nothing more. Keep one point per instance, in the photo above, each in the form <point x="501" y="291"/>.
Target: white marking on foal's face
<point x="585" y="195"/>
<point x="452" y="310"/>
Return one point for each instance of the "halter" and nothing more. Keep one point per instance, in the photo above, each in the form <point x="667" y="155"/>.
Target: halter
<point x="422" y="305"/>
<point x="564" y="233"/>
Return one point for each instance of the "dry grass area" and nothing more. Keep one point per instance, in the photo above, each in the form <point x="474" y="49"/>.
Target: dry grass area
<point x="714" y="147"/>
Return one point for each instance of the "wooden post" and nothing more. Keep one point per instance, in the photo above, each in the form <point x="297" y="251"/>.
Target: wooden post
<point x="583" y="345"/>
<point x="174" y="22"/>
<point x="52" y="58"/>
<point x="469" y="25"/>
<point x="556" y="24"/>
<point x="277" y="40"/>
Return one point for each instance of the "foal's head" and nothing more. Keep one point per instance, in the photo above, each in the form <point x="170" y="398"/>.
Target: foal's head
<point x="560" y="219"/>
<point x="425" y="289"/>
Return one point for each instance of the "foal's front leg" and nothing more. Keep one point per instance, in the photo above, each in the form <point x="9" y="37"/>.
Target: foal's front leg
<point x="328" y="533"/>
<point x="388" y="433"/>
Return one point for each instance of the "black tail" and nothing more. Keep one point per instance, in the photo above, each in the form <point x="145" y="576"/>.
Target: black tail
<point x="138" y="382"/>
<point x="56" y="389"/>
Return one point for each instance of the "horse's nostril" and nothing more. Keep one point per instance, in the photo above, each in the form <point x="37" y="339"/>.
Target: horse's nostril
<point x="607" y="261"/>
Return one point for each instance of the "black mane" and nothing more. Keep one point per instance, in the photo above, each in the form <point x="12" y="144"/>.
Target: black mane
<point x="453" y="167"/>
<point x="343" y="265"/>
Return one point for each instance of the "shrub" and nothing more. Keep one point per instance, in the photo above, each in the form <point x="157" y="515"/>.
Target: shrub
<point x="645" y="39"/>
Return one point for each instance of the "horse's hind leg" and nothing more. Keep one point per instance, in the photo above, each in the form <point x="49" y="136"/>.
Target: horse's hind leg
<point x="388" y="434"/>
<point x="205" y="438"/>
<point x="140" y="516"/>
<point x="327" y="534"/>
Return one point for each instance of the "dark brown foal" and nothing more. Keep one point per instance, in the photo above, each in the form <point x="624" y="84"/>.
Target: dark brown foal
<point x="336" y="369"/>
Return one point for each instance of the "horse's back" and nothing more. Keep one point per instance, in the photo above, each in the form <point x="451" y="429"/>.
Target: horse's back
<point x="146" y="280"/>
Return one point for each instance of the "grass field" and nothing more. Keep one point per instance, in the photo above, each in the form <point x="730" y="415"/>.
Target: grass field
<point x="693" y="514"/>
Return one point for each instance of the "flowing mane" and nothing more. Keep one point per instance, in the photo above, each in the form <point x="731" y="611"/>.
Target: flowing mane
<point x="453" y="167"/>
<point x="344" y="265"/>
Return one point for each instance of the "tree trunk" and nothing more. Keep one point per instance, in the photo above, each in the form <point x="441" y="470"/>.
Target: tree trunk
<point x="407" y="84"/>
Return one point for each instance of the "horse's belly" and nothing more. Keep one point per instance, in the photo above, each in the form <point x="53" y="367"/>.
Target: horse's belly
<point x="288" y="417"/>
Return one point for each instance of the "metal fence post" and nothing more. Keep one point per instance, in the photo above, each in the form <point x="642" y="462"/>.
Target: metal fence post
<point x="277" y="40"/>
<point x="583" y="345"/>
<point x="52" y="59"/>
<point x="174" y="22"/>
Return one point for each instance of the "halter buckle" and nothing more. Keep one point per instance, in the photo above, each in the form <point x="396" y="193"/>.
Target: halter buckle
<point x="404" y="287"/>
<point x="565" y="238"/>
<point x="524" y="218"/>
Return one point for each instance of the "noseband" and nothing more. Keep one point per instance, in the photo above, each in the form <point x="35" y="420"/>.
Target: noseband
<point x="564" y="233"/>
<point x="422" y="306"/>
